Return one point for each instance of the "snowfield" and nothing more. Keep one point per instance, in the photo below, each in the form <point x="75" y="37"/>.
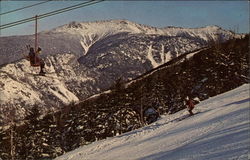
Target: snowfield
<point x="219" y="131"/>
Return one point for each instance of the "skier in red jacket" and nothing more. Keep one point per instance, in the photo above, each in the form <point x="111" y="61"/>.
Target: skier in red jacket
<point x="190" y="105"/>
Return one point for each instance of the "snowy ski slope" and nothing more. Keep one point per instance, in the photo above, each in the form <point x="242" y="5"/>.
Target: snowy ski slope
<point x="219" y="131"/>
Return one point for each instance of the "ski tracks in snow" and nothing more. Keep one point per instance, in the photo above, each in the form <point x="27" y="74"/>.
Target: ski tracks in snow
<point x="220" y="131"/>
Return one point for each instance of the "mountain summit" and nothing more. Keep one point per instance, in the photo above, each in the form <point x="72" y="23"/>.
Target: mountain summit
<point x="79" y="37"/>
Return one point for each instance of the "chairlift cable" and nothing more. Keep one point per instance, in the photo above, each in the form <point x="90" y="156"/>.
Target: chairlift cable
<point x="8" y="25"/>
<point x="29" y="6"/>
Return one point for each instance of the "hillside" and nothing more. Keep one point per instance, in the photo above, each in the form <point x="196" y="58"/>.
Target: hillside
<point x="219" y="130"/>
<point x="203" y="74"/>
<point x="83" y="59"/>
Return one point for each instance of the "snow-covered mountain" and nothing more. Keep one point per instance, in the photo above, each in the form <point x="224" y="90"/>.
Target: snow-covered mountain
<point x="83" y="59"/>
<point x="203" y="74"/>
<point x="219" y="131"/>
<point x="78" y="38"/>
<point x="103" y="29"/>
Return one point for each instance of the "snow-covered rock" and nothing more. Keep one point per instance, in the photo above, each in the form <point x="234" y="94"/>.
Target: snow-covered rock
<point x="23" y="87"/>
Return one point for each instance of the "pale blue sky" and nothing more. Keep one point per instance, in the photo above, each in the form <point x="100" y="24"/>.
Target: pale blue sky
<point x="191" y="14"/>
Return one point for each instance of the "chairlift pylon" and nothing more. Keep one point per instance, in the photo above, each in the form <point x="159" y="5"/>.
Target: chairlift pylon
<point x="36" y="59"/>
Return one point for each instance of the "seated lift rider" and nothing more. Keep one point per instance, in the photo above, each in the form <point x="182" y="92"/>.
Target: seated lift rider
<point x="35" y="61"/>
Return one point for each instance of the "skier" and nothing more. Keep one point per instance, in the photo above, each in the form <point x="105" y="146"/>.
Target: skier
<point x="190" y="105"/>
<point x="35" y="60"/>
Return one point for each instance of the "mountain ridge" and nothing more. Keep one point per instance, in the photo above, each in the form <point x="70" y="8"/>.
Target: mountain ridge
<point x="83" y="38"/>
<point x="87" y="61"/>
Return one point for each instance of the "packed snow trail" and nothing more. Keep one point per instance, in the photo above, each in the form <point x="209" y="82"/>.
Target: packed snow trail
<point x="220" y="131"/>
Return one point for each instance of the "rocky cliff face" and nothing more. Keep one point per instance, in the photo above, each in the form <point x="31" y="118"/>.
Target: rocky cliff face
<point x="83" y="59"/>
